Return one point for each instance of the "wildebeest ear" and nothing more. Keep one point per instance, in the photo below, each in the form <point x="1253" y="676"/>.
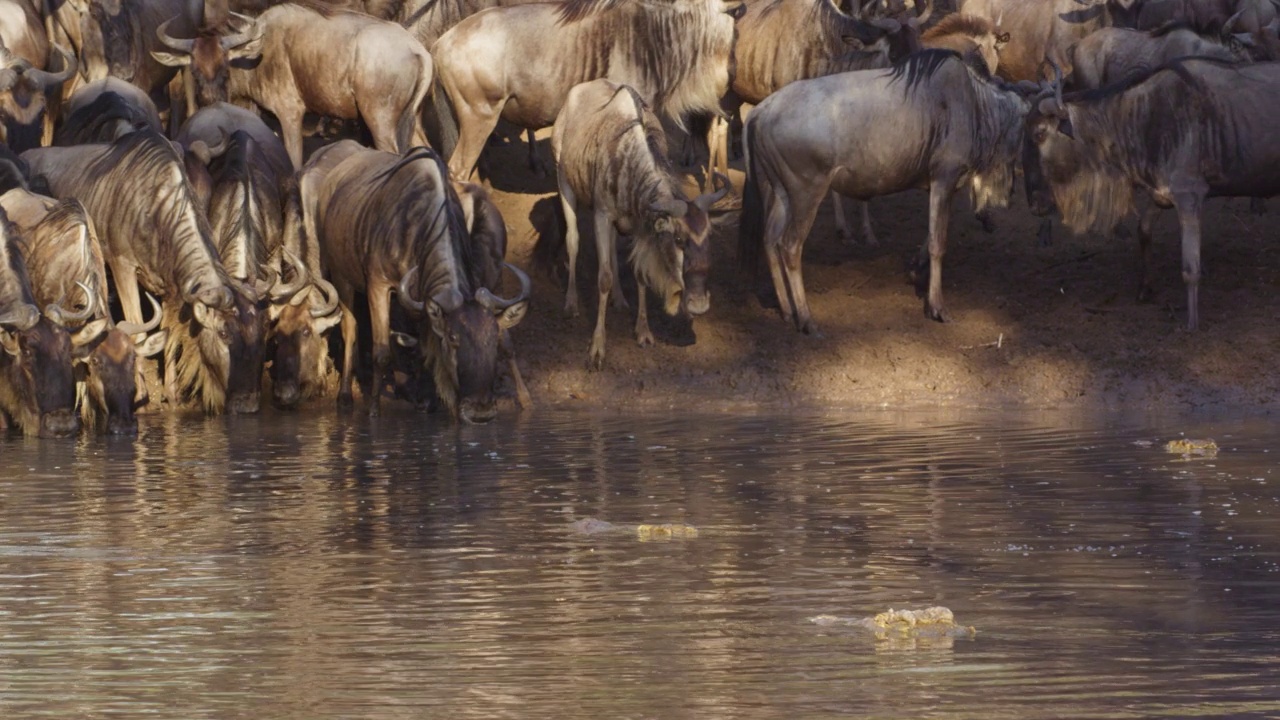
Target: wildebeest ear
<point x="512" y="316"/>
<point x="328" y="321"/>
<point x="10" y="343"/>
<point x="153" y="344"/>
<point x="1064" y="127"/>
<point x="171" y="59"/>
<point x="662" y="224"/>
<point x="435" y="314"/>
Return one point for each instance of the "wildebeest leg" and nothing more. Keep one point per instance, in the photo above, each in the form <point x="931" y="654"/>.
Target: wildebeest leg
<point x="619" y="301"/>
<point x="1145" y="226"/>
<point x="291" y="130"/>
<point x="805" y="209"/>
<point x="644" y="336"/>
<point x="1190" y="204"/>
<point x="380" y="317"/>
<point x="571" y="240"/>
<point x="473" y="130"/>
<point x="509" y="350"/>
<point x="940" y="193"/>
<point x="1044" y="235"/>
<point x="775" y="229"/>
<point x="867" y="232"/>
<point x="842" y="223"/>
<point x="604" y="250"/>
<point x="347" y="325"/>
<point x="125" y="275"/>
<point x="536" y="166"/>
<point x="382" y="126"/>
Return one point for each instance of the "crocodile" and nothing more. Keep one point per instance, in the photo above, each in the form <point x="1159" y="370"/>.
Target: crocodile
<point x="929" y="623"/>
<point x="643" y="533"/>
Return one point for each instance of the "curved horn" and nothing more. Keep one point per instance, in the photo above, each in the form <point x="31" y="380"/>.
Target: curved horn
<point x="889" y="25"/>
<point x="404" y="339"/>
<point x="8" y="76"/>
<point x="866" y="8"/>
<point x="1057" y="87"/>
<point x="406" y="296"/>
<point x="330" y="293"/>
<point x="288" y="291"/>
<point x="47" y="79"/>
<point x="674" y="207"/>
<point x="23" y="318"/>
<point x="252" y="31"/>
<point x="182" y="45"/>
<point x="1230" y="24"/>
<point x="928" y="12"/>
<point x="129" y="328"/>
<point x="720" y="182"/>
<point x="495" y="304"/>
<point x="57" y="314"/>
<point x="262" y="286"/>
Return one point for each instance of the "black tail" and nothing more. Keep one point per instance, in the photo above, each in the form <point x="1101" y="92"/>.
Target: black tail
<point x="751" y="222"/>
<point x="439" y="121"/>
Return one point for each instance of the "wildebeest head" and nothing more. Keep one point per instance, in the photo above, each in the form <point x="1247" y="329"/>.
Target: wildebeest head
<point x="111" y="33"/>
<point x="23" y="88"/>
<point x="106" y="363"/>
<point x="210" y="55"/>
<point x="219" y="350"/>
<point x="301" y="312"/>
<point x="1060" y="171"/>
<point x="672" y="253"/>
<point x="36" y="383"/>
<point x="461" y="337"/>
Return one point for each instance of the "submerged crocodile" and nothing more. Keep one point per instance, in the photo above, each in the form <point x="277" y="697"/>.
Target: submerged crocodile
<point x="643" y="533"/>
<point x="1186" y="446"/>
<point x="934" y="622"/>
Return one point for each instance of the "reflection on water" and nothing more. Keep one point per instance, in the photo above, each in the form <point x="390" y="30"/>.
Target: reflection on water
<point x="306" y="566"/>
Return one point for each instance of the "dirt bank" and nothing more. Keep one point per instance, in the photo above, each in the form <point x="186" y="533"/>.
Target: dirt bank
<point x="1030" y="326"/>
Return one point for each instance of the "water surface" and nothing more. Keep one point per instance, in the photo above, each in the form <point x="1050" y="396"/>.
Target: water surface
<point x="310" y="565"/>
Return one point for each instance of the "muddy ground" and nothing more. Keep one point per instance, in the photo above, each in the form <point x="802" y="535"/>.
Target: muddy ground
<point x="1030" y="326"/>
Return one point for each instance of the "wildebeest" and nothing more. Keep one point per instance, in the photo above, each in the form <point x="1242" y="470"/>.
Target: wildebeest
<point x="24" y="91"/>
<point x="1111" y="54"/>
<point x="37" y="390"/>
<point x="207" y="58"/>
<point x="385" y="223"/>
<point x="65" y="261"/>
<point x="932" y="121"/>
<point x="611" y="156"/>
<point x="519" y="63"/>
<point x="1046" y="28"/>
<point x="1187" y="131"/>
<point x="154" y="234"/>
<point x="103" y="110"/>
<point x="380" y="75"/>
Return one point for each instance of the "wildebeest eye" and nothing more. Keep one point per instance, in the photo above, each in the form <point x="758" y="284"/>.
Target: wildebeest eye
<point x="453" y="338"/>
<point x="306" y="332"/>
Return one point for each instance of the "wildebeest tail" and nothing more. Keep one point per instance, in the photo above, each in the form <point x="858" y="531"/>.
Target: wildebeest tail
<point x="439" y="120"/>
<point x="751" y="222"/>
<point x="410" y="131"/>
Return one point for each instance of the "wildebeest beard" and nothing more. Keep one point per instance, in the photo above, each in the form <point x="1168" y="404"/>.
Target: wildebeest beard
<point x="120" y="32"/>
<point x="471" y="332"/>
<point x="218" y="354"/>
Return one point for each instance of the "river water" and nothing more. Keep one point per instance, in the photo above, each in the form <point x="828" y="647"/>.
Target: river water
<point x="316" y="566"/>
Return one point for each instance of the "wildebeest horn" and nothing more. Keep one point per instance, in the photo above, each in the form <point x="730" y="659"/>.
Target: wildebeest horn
<point x="8" y="76"/>
<point x="46" y="79"/>
<point x="674" y="207"/>
<point x="57" y="314"/>
<point x="182" y="45"/>
<point x="495" y="304"/>
<point x="262" y="287"/>
<point x="129" y="328"/>
<point x="406" y="295"/>
<point x="404" y="339"/>
<point x="928" y="12"/>
<point x="1230" y="23"/>
<point x="330" y="293"/>
<point x="283" y="291"/>
<point x="889" y="25"/>
<point x="252" y="31"/>
<point x="720" y="183"/>
<point x="23" y="318"/>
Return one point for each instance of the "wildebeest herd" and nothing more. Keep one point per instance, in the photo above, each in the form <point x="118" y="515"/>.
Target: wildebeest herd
<point x="151" y="209"/>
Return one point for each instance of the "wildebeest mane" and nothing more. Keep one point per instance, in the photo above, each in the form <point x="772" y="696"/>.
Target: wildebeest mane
<point x="95" y="122"/>
<point x="921" y="66"/>
<point x="1142" y="75"/>
<point x="959" y="23"/>
<point x="237" y="176"/>
<point x="655" y="137"/>
<point x="575" y="10"/>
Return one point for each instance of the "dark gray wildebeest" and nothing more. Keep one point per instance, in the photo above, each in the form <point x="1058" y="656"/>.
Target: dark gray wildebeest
<point x="155" y="235"/>
<point x="389" y="223"/>
<point x="976" y="39"/>
<point x="251" y="180"/>
<point x="1109" y="55"/>
<point x="339" y="64"/>
<point x="103" y="110"/>
<point x="519" y="63"/>
<point x="951" y="125"/>
<point x="611" y="157"/>
<point x="64" y="260"/>
<point x="37" y="389"/>
<point x="1187" y="131"/>
<point x="1040" y="29"/>
<point x="1252" y="24"/>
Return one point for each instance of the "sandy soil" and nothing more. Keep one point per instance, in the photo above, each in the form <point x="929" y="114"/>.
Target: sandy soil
<point x="1030" y="326"/>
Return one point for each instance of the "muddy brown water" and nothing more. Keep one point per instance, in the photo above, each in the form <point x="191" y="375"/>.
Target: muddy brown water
<point x="314" y="566"/>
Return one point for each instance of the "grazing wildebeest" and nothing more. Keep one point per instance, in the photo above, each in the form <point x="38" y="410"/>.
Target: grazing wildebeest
<point x="611" y="157"/>
<point x="154" y="234"/>
<point x="64" y="260"/>
<point x="950" y="125"/>
<point x="381" y="75"/>
<point x="37" y="389"/>
<point x="519" y="63"/>
<point x="1186" y="131"/>
<point x="385" y="223"/>
<point x="1046" y="28"/>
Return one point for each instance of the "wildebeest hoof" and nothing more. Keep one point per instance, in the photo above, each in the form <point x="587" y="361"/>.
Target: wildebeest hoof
<point x="1044" y="236"/>
<point x="571" y="308"/>
<point x="345" y="401"/>
<point x="595" y="359"/>
<point x="810" y="329"/>
<point x="985" y="220"/>
<point x="375" y="409"/>
<point x="644" y="338"/>
<point x="934" y="314"/>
